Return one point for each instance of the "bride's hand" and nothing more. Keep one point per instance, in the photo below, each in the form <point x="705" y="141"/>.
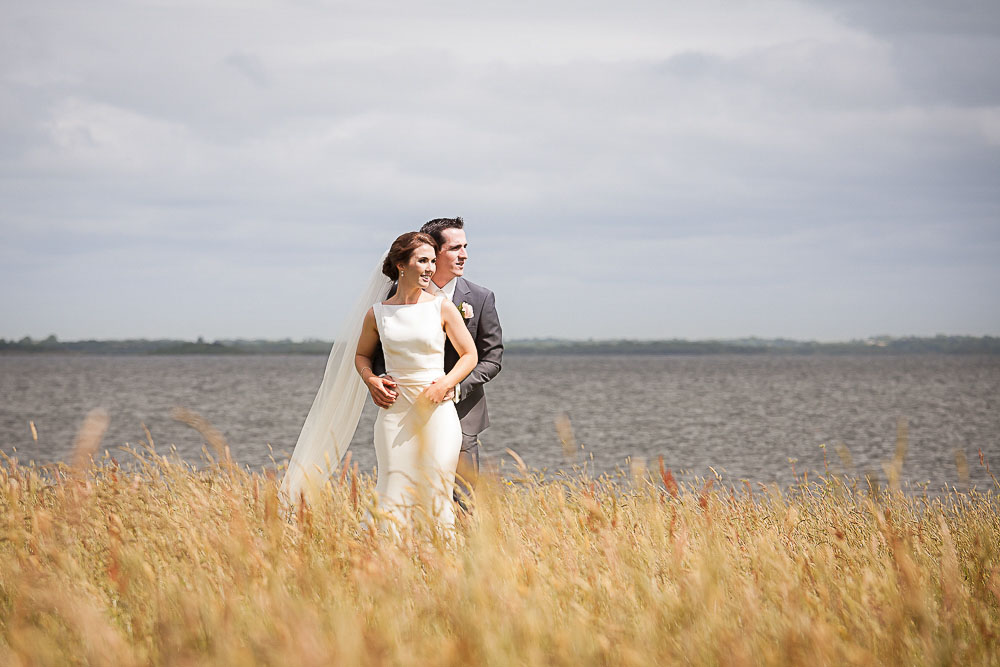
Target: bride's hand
<point x="436" y="391"/>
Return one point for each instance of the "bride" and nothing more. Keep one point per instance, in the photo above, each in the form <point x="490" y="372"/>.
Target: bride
<point x="418" y="438"/>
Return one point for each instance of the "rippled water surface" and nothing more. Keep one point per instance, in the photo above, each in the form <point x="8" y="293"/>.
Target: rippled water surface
<point x="746" y="416"/>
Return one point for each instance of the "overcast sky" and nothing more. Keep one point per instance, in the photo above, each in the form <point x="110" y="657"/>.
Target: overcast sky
<point x="814" y="170"/>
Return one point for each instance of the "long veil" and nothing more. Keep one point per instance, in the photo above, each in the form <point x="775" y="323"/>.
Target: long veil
<point x="336" y="410"/>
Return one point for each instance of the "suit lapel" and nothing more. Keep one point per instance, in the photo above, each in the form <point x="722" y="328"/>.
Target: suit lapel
<point x="461" y="291"/>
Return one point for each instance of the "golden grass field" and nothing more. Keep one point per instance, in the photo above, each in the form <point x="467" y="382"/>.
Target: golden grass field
<point x="165" y="564"/>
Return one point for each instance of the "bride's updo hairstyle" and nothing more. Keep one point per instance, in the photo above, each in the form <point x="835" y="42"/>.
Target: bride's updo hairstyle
<point x="402" y="249"/>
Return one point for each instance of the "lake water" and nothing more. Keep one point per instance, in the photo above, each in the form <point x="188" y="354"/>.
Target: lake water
<point x="749" y="417"/>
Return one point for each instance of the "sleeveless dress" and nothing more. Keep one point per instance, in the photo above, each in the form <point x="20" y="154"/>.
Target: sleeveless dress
<point x="417" y="443"/>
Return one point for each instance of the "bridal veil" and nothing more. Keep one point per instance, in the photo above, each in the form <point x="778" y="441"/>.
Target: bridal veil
<point x="336" y="410"/>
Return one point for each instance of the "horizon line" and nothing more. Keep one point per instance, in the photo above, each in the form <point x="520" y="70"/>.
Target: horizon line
<point x="531" y="339"/>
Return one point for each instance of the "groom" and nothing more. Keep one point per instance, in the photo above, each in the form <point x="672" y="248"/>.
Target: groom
<point x="478" y="307"/>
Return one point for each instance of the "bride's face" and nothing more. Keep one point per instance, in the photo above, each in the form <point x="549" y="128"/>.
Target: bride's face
<point x="420" y="268"/>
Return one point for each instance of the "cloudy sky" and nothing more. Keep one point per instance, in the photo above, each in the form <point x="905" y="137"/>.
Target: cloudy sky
<point x="821" y="170"/>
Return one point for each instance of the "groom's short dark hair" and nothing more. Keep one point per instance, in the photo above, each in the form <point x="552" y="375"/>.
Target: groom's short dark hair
<point x="436" y="226"/>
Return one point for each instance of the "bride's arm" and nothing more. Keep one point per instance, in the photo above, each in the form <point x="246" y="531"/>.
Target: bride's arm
<point x="462" y="341"/>
<point x="363" y="361"/>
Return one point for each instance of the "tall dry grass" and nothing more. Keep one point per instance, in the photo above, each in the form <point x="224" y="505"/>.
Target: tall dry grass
<point x="166" y="564"/>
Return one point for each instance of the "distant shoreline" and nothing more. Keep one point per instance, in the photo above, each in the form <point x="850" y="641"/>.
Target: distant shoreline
<point x="882" y="345"/>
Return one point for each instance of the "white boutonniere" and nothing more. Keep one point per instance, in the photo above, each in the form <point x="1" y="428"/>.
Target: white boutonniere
<point x="466" y="310"/>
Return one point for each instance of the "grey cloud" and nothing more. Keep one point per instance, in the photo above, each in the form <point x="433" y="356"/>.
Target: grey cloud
<point x="250" y="66"/>
<point x="943" y="52"/>
<point x="954" y="69"/>
<point x="895" y="17"/>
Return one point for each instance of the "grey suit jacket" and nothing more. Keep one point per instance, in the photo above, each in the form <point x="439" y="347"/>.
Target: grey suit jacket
<point x="484" y="325"/>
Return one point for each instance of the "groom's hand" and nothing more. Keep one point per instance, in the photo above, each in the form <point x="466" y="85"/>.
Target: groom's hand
<point x="383" y="390"/>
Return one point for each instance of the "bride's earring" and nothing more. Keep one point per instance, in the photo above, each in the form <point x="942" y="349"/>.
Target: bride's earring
<point x="402" y="273"/>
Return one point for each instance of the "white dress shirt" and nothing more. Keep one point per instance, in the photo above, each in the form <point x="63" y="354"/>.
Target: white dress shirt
<point x="448" y="290"/>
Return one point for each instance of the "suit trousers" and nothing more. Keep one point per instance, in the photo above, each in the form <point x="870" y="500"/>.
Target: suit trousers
<point x="470" y="442"/>
<point x="470" y="452"/>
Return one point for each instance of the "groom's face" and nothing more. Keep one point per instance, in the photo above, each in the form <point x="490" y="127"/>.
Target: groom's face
<point x="451" y="258"/>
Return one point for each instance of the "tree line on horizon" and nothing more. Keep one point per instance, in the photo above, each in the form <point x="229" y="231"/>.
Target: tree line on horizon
<point x="940" y="344"/>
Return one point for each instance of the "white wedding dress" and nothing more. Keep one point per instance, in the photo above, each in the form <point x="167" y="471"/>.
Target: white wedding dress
<point x="417" y="443"/>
